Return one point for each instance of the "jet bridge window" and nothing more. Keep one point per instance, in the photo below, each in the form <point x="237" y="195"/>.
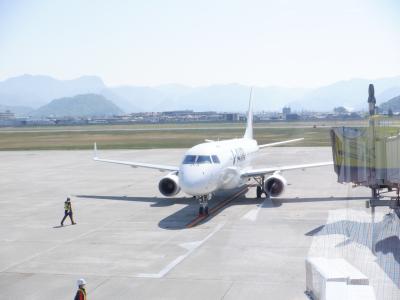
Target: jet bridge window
<point x="215" y="159"/>
<point x="203" y="159"/>
<point x="189" y="159"/>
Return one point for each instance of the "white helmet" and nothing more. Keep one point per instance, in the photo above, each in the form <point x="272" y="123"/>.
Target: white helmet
<point x="81" y="281"/>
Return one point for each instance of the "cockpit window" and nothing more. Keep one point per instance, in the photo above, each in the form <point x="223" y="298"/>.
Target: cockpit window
<point x="215" y="159"/>
<point x="203" y="159"/>
<point x="189" y="159"/>
<point x="200" y="159"/>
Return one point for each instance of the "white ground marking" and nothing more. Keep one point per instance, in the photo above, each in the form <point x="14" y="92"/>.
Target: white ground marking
<point x="192" y="246"/>
<point x="252" y="215"/>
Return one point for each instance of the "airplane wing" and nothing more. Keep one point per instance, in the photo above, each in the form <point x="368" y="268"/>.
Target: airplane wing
<point x="134" y="164"/>
<point x="280" y="143"/>
<point x="260" y="172"/>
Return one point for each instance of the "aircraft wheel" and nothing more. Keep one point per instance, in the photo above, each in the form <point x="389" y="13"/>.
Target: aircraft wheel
<point x="259" y="191"/>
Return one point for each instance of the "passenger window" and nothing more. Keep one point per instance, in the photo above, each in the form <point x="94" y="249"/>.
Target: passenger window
<point x="189" y="159"/>
<point x="203" y="159"/>
<point x="215" y="159"/>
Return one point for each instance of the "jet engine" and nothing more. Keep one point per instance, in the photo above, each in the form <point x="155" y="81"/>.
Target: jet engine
<point x="275" y="185"/>
<point x="169" y="185"/>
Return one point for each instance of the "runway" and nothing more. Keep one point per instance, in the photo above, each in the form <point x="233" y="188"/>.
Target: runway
<point x="132" y="243"/>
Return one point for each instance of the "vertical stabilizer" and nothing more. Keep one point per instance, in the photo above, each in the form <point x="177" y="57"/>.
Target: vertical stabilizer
<point x="249" y="129"/>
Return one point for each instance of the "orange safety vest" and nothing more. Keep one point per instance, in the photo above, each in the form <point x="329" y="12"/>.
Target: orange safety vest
<point x="80" y="294"/>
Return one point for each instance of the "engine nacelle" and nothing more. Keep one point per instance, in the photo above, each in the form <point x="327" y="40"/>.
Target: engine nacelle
<point x="275" y="185"/>
<point x="169" y="185"/>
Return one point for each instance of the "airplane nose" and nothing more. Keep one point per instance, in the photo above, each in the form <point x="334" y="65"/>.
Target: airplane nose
<point x="196" y="182"/>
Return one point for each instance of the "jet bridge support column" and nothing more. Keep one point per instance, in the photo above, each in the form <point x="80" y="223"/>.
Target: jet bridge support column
<point x="373" y="229"/>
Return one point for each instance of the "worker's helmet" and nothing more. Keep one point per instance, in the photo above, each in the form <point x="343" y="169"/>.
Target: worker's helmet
<point x="81" y="282"/>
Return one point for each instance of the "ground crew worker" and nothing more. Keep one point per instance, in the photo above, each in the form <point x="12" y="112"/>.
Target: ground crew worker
<point x="81" y="293"/>
<point x="67" y="212"/>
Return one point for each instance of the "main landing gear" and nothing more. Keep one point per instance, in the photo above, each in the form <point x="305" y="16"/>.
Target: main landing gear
<point x="260" y="187"/>
<point x="203" y="202"/>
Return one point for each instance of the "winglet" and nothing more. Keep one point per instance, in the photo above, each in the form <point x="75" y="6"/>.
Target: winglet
<point x="249" y="129"/>
<point x="95" y="152"/>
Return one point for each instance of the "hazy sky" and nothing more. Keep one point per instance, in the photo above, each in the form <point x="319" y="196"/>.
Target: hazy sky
<point x="289" y="43"/>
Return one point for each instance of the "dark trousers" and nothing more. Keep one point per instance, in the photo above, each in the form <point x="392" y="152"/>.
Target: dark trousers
<point x="67" y="214"/>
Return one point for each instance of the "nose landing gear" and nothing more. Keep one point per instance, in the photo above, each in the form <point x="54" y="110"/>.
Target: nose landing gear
<point x="203" y="202"/>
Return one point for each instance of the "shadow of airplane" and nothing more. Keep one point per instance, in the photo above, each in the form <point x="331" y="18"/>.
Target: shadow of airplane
<point x="156" y="202"/>
<point x="179" y="219"/>
<point x="386" y="237"/>
<point x="317" y="199"/>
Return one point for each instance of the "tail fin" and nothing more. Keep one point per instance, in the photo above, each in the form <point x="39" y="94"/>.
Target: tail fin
<point x="249" y="129"/>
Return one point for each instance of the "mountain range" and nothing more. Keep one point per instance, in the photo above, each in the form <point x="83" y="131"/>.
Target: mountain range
<point x="393" y="104"/>
<point x="85" y="105"/>
<point x="22" y="93"/>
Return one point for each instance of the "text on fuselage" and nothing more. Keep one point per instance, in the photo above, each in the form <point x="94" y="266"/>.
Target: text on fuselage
<point x="238" y="155"/>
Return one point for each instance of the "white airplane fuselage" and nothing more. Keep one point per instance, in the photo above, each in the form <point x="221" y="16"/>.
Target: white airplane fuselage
<point x="216" y="165"/>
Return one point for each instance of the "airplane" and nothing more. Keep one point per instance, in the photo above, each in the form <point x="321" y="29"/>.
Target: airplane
<point x="220" y="165"/>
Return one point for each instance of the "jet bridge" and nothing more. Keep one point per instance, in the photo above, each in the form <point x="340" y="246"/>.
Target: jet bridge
<point x="370" y="156"/>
